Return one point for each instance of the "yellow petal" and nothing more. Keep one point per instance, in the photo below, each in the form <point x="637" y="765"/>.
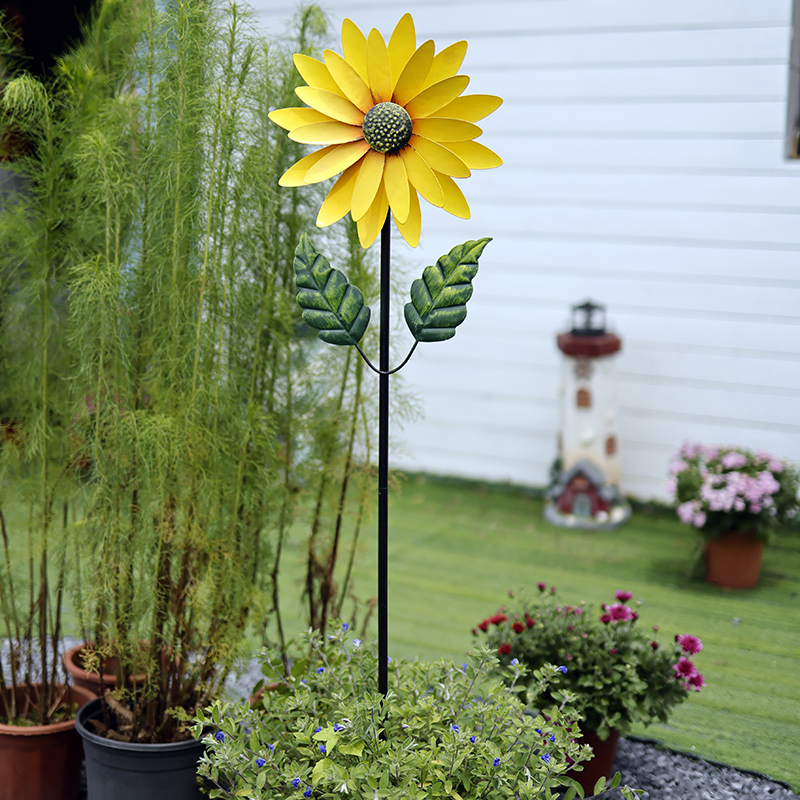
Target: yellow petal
<point x="402" y="44"/>
<point x="370" y="224"/>
<point x="454" y="201"/>
<point x="430" y="100"/>
<point x="441" y="129"/>
<point x="331" y="132"/>
<point x="471" y="107"/>
<point x="339" y="158"/>
<point x="421" y="176"/>
<point x="296" y="174"/>
<point x="337" y="203"/>
<point x="439" y="158"/>
<point x="475" y="155"/>
<point x="411" y="228"/>
<point x="379" y="69"/>
<point x="447" y="63"/>
<point x="291" y="118"/>
<point x="334" y="105"/>
<point x="349" y="81"/>
<point x="315" y="73"/>
<point x="395" y="181"/>
<point x="354" y="47"/>
<point x="367" y="183"/>
<point x="413" y="76"/>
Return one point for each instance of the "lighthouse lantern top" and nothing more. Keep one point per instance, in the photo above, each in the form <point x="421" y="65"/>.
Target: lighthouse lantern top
<point x="588" y="319"/>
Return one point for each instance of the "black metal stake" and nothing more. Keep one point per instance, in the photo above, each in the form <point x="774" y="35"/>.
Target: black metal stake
<point x="383" y="465"/>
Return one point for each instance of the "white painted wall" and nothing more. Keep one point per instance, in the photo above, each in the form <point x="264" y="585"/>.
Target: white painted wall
<point x="643" y="169"/>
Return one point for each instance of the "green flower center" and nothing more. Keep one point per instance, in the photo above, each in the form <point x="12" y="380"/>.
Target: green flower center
<point x="387" y="127"/>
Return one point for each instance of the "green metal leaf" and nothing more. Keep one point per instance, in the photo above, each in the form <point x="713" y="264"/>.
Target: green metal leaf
<point x="330" y="304"/>
<point x="439" y="299"/>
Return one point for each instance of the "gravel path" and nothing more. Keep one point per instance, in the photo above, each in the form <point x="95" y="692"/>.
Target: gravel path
<point x="664" y="775"/>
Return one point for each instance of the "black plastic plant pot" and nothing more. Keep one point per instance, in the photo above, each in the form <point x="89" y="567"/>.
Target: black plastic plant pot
<point x="135" y="771"/>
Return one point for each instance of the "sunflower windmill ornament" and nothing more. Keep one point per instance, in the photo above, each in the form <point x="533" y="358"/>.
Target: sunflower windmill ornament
<point x="394" y="125"/>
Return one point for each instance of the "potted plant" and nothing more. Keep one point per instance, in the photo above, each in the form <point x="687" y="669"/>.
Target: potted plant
<point x="443" y="729"/>
<point x="616" y="672"/>
<point x="40" y="751"/>
<point x="184" y="387"/>
<point x="735" y="498"/>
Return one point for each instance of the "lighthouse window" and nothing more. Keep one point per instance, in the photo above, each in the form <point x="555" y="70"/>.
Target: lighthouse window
<point x="611" y="445"/>
<point x="583" y="399"/>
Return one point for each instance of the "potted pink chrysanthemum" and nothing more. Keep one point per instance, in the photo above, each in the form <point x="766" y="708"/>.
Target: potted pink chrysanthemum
<point x="735" y="498"/>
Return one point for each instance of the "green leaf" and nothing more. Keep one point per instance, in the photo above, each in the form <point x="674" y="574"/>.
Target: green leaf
<point x="320" y="768"/>
<point x="331" y="305"/>
<point x="353" y="749"/>
<point x="616" y="780"/>
<point x="600" y="785"/>
<point x="439" y="299"/>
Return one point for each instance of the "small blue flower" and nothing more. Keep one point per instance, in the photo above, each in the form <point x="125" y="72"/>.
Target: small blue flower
<point x="561" y="669"/>
<point x="317" y="729"/>
<point x="271" y="748"/>
<point x="496" y="762"/>
<point x="307" y="792"/>
<point x="356" y="642"/>
<point x="322" y="749"/>
<point x="219" y="736"/>
<point x="551" y="737"/>
<point x="320" y="670"/>
<point x="472" y="739"/>
<point x="337" y="727"/>
<point x="546" y="758"/>
<point x="464" y="668"/>
<point x="296" y="783"/>
<point x="514" y="662"/>
<point x="260" y="762"/>
<point x="455" y="728"/>
<point x="538" y="730"/>
<point x="388" y="659"/>
<point x="345" y="626"/>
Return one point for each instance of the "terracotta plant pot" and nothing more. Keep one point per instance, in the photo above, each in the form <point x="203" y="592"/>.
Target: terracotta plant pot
<point x="92" y="681"/>
<point x="733" y="560"/>
<point x="601" y="764"/>
<point x="42" y="762"/>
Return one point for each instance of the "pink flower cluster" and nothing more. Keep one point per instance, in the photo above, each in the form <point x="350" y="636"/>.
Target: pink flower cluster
<point x="709" y="479"/>
<point x="685" y="669"/>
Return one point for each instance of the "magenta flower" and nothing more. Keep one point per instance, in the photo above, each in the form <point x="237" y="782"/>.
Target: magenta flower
<point x="695" y="682"/>
<point x="685" y="669"/>
<point x="622" y="595"/>
<point x="619" y="612"/>
<point x="690" y="645"/>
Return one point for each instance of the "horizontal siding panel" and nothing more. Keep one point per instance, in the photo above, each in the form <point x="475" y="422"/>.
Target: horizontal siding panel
<point x="745" y="229"/>
<point x="719" y="82"/>
<point x="689" y="193"/>
<point x="519" y="151"/>
<point x="593" y="120"/>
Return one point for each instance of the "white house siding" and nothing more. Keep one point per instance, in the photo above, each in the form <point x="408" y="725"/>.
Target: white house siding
<point x="643" y="148"/>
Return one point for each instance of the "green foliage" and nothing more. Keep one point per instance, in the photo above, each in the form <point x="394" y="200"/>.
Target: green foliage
<point x="323" y="730"/>
<point x="439" y="299"/>
<point x="615" y="674"/>
<point x="155" y="257"/>
<point x="332" y="306"/>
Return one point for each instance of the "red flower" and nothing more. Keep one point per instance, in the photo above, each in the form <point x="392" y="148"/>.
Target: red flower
<point x="498" y="618"/>
<point x="612" y="651"/>
<point x="685" y="669"/>
<point x="541" y="586"/>
<point x="623" y="596"/>
<point x="518" y="627"/>
<point x="529" y="620"/>
<point x="695" y="682"/>
<point x="484" y="626"/>
<point x="504" y="649"/>
<point x="605" y="619"/>
<point x="654" y="645"/>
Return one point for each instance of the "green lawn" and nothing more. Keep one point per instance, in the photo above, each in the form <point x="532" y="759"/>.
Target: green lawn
<point x="456" y="550"/>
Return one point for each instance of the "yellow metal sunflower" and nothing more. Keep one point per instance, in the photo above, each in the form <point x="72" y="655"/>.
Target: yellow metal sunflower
<point x="393" y="122"/>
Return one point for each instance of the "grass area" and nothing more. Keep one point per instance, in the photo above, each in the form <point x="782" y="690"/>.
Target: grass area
<point x="455" y="551"/>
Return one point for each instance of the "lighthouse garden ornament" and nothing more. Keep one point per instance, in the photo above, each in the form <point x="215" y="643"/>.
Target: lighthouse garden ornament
<point x="394" y="125"/>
